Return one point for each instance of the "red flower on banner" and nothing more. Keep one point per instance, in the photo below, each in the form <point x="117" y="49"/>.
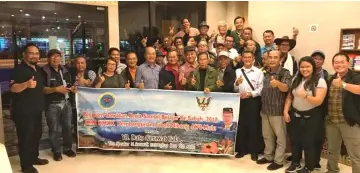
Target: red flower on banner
<point x="210" y="148"/>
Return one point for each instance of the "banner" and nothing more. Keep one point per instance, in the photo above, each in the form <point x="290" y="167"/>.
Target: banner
<point x="157" y="120"/>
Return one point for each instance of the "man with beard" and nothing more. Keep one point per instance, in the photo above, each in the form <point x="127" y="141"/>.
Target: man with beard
<point x="27" y="106"/>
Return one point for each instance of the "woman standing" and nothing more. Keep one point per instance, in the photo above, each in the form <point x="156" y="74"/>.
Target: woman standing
<point x="109" y="78"/>
<point x="305" y="97"/>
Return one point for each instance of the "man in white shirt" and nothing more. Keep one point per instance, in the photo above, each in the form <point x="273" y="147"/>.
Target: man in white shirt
<point x="249" y="83"/>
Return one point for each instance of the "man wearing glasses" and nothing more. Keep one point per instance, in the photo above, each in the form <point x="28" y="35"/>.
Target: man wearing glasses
<point x="27" y="106"/>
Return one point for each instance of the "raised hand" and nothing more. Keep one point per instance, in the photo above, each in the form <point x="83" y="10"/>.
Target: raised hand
<point x="213" y="33"/>
<point x="101" y="78"/>
<point x="338" y="81"/>
<point x="242" y="42"/>
<point x="144" y="41"/>
<point x="193" y="80"/>
<point x="168" y="86"/>
<point x="295" y="32"/>
<point x="206" y="90"/>
<point x="230" y="27"/>
<point x="171" y="30"/>
<point x="273" y="82"/>
<point x="141" y="85"/>
<point x="127" y="85"/>
<point x="219" y="82"/>
<point x="31" y="83"/>
<point x="239" y="80"/>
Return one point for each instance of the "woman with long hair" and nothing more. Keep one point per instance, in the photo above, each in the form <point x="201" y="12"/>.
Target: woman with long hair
<point x="303" y="113"/>
<point x="110" y="78"/>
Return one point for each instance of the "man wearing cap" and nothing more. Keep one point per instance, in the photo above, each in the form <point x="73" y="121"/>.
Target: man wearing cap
<point x="227" y="75"/>
<point x="287" y="60"/>
<point x="204" y="78"/>
<point x="160" y="58"/>
<point x="58" y="107"/>
<point x="27" y="86"/>
<point x="319" y="58"/>
<point x="204" y="28"/>
<point x="273" y="95"/>
<point x="190" y="64"/>
<point x="147" y="74"/>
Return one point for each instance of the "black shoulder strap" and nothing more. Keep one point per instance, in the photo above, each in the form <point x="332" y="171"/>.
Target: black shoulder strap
<point x="247" y="79"/>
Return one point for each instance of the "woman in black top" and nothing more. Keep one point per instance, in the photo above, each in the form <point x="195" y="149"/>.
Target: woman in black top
<point x="109" y="78"/>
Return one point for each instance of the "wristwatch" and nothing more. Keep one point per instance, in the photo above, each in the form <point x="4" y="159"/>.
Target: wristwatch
<point x="343" y="85"/>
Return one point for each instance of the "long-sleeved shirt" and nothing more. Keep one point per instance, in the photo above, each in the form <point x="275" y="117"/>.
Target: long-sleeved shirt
<point x="256" y="77"/>
<point x="149" y="74"/>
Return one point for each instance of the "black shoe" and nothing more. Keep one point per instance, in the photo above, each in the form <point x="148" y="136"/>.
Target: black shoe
<point x="317" y="166"/>
<point x="70" y="153"/>
<point x="294" y="167"/>
<point x="254" y="157"/>
<point x="274" y="166"/>
<point x="289" y="159"/>
<point x="263" y="161"/>
<point x="239" y="155"/>
<point x="39" y="161"/>
<point x="304" y="170"/>
<point x="57" y="156"/>
<point x="29" y="169"/>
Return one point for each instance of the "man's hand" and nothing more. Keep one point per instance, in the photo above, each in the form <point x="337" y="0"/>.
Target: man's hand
<point x="230" y="27"/>
<point x="219" y="83"/>
<point x="295" y="32"/>
<point x="337" y="82"/>
<point x="273" y="82"/>
<point x="31" y="83"/>
<point x="73" y="89"/>
<point x="144" y="41"/>
<point x="101" y="79"/>
<point x="193" y="80"/>
<point x="242" y="42"/>
<point x="239" y="81"/>
<point x="168" y="86"/>
<point x="62" y="90"/>
<point x="237" y="59"/>
<point x="141" y="85"/>
<point x="171" y="30"/>
<point x="206" y="90"/>
<point x="243" y="95"/>
<point x="83" y="82"/>
<point x="213" y="33"/>
<point x="127" y="85"/>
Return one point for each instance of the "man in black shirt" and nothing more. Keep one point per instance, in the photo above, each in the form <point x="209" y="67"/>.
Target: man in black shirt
<point x="58" y="110"/>
<point x="27" y="106"/>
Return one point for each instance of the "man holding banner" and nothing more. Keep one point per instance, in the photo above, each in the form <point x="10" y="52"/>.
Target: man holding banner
<point x="147" y="74"/>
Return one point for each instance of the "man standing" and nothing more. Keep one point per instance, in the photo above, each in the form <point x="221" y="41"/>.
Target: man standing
<point x="27" y="106"/>
<point x="234" y="56"/>
<point x="344" y="114"/>
<point x="247" y="35"/>
<point x="169" y="75"/>
<point x="273" y="95"/>
<point x="147" y="74"/>
<point x="129" y="73"/>
<point x="204" y="77"/>
<point x="287" y="60"/>
<point x="58" y="111"/>
<point x="227" y="75"/>
<point x="249" y="83"/>
<point x="204" y="28"/>
<point x="190" y="64"/>
<point x="237" y="33"/>
<point x="268" y="37"/>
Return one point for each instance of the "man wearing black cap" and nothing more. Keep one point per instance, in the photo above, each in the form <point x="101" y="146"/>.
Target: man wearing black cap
<point x="319" y="58"/>
<point x="160" y="58"/>
<point x="58" y="107"/>
<point x="204" y="28"/>
<point x="27" y="104"/>
<point x="287" y="60"/>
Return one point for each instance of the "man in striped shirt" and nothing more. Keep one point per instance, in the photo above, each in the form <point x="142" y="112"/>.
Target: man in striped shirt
<point x="276" y="85"/>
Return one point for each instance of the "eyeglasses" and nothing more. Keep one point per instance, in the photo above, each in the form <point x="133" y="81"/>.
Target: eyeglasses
<point x="33" y="53"/>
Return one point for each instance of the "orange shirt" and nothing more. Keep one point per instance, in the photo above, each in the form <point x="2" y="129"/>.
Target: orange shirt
<point x="132" y="73"/>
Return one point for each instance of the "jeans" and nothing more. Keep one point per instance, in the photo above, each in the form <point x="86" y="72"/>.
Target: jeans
<point x="59" y="116"/>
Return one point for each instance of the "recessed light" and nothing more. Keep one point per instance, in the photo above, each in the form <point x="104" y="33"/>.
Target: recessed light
<point x="55" y="13"/>
<point x="27" y="14"/>
<point x="12" y="15"/>
<point x="21" y="10"/>
<point x="67" y="19"/>
<point x="58" y="27"/>
<point x="79" y="16"/>
<point x="2" y="26"/>
<point x="47" y="30"/>
<point x="57" y="21"/>
<point x="43" y="17"/>
<point x="52" y="28"/>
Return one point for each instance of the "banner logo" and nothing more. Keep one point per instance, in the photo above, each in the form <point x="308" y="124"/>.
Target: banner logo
<point x="203" y="102"/>
<point x="107" y="100"/>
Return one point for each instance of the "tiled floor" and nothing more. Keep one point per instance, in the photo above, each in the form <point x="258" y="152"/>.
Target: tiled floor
<point x="152" y="162"/>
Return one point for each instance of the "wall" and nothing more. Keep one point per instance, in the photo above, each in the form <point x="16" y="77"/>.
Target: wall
<point x="282" y="16"/>
<point x="113" y="18"/>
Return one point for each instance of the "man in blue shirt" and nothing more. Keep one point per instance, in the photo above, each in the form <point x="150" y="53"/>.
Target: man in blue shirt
<point x="147" y="74"/>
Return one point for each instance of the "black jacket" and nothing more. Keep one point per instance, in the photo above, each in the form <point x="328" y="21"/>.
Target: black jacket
<point x="350" y="101"/>
<point x="127" y="77"/>
<point x="165" y="77"/>
<point x="229" y="80"/>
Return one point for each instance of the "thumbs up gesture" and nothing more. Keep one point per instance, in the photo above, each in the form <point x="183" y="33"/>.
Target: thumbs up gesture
<point x="295" y="31"/>
<point x="219" y="82"/>
<point x="242" y="42"/>
<point x="182" y="79"/>
<point x="338" y="81"/>
<point x="31" y="83"/>
<point x="193" y="80"/>
<point x="239" y="81"/>
<point x="101" y="79"/>
<point x="144" y="41"/>
<point x="127" y="85"/>
<point x="141" y="85"/>
<point x="273" y="82"/>
<point x="168" y="86"/>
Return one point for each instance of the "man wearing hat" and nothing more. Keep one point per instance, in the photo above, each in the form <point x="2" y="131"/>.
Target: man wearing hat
<point x="160" y="58"/>
<point x="204" y="28"/>
<point x="190" y="64"/>
<point x="287" y="60"/>
<point x="227" y="75"/>
<point x="57" y="88"/>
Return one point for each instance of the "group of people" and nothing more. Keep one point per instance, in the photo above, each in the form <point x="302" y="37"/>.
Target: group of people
<point x="279" y="96"/>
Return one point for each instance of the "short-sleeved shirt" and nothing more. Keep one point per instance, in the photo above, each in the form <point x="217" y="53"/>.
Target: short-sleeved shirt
<point x="31" y="99"/>
<point x="273" y="99"/>
<point x="303" y="104"/>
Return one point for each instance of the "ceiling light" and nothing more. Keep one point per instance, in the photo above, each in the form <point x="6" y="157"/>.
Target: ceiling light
<point x="55" y="13"/>
<point x="27" y="14"/>
<point x="12" y="15"/>
<point x="52" y="28"/>
<point x="67" y="19"/>
<point x="21" y="10"/>
<point x="2" y="26"/>
<point x="58" y="27"/>
<point x="47" y="30"/>
<point x="43" y="17"/>
<point x="79" y="16"/>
